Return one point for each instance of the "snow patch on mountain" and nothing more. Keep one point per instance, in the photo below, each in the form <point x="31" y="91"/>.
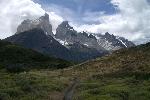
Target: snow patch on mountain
<point x="123" y="43"/>
<point x="64" y="43"/>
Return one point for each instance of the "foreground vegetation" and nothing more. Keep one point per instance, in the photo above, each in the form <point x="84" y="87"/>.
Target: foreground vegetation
<point x="51" y="85"/>
<point x="33" y="85"/>
<point x="123" y="75"/>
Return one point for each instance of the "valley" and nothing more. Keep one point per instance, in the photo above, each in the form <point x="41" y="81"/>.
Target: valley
<point x="123" y="75"/>
<point x="47" y="55"/>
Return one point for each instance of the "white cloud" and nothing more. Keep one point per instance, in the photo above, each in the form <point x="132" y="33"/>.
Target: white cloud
<point x="13" y="12"/>
<point x="55" y="20"/>
<point x="65" y="13"/>
<point x="132" y="21"/>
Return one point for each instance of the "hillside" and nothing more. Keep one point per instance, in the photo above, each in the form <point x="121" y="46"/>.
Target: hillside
<point x="37" y="40"/>
<point x="124" y="61"/>
<point x="123" y="75"/>
<point x="17" y="58"/>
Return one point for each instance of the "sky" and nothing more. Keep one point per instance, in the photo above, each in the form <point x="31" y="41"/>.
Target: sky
<point x="126" y="18"/>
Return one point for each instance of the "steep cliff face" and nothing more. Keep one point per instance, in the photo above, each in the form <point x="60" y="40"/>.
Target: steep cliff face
<point x="112" y="43"/>
<point x="42" y="23"/>
<point x="67" y="43"/>
<point x="100" y="42"/>
<point x="36" y="39"/>
<point x="66" y="33"/>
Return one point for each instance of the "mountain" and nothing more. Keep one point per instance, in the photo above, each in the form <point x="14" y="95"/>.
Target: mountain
<point x="67" y="43"/>
<point x="37" y="40"/>
<point x="83" y="53"/>
<point x="67" y="35"/>
<point x="111" y="42"/>
<point x="16" y="58"/>
<point x="41" y="23"/>
<point x="78" y="43"/>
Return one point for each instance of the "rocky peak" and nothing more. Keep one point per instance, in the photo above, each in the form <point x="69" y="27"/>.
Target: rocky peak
<point x="84" y="34"/>
<point x="64" y="30"/>
<point x="92" y="36"/>
<point x="26" y="21"/>
<point x="41" y="23"/>
<point x="65" y="24"/>
<point x="45" y="17"/>
<point x="109" y="36"/>
<point x="111" y="42"/>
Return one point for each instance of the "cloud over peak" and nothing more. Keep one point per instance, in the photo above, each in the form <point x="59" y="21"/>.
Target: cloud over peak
<point x="131" y="20"/>
<point x="13" y="12"/>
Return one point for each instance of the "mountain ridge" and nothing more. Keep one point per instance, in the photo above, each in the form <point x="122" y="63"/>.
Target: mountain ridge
<point x="67" y="43"/>
<point x="66" y="33"/>
<point x="16" y="58"/>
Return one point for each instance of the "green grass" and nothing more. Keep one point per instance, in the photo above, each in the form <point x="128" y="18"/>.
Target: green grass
<point x="33" y="85"/>
<point x="41" y="85"/>
<point x="123" y="75"/>
<point x="127" y="88"/>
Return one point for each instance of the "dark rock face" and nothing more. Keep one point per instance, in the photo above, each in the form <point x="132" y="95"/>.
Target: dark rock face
<point x="67" y="43"/>
<point x="65" y="29"/>
<point x="81" y="44"/>
<point x="83" y="52"/>
<point x="37" y="40"/>
<point x="99" y="42"/>
<point x="42" y="23"/>
<point x="66" y="33"/>
<point x="111" y="42"/>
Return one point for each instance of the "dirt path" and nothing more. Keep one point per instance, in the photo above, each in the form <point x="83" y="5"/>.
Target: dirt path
<point x="70" y="90"/>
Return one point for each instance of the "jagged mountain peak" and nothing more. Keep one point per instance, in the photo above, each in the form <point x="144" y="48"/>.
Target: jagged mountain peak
<point x="92" y="36"/>
<point x="26" y="21"/>
<point x="69" y="40"/>
<point x="41" y="23"/>
<point x="45" y="17"/>
<point x="65" y="24"/>
<point x="107" y="41"/>
<point x="64" y="29"/>
<point x="107" y="34"/>
<point x="111" y="42"/>
<point x="37" y="40"/>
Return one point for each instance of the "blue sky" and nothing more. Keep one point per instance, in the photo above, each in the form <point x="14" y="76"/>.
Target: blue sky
<point x="81" y="6"/>
<point x="79" y="10"/>
<point x="126" y="18"/>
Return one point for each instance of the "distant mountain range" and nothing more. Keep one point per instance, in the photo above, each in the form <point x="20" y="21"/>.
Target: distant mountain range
<point x="66" y="35"/>
<point x="67" y="43"/>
